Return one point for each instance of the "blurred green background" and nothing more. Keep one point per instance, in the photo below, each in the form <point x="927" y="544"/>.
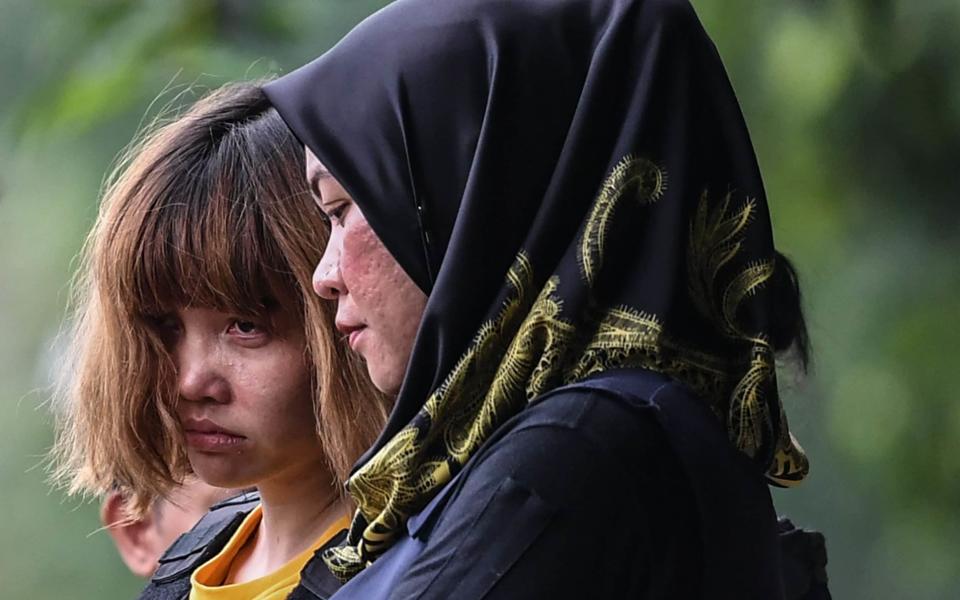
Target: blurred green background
<point x="854" y="108"/>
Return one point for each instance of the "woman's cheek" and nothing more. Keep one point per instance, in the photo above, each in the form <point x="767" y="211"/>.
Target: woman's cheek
<point x="366" y="266"/>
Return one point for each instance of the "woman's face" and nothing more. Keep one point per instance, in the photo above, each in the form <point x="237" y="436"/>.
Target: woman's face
<point x="379" y="307"/>
<point x="245" y="403"/>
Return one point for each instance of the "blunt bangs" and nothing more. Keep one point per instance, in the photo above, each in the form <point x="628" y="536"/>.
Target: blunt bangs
<point x="207" y="249"/>
<point x="203" y="229"/>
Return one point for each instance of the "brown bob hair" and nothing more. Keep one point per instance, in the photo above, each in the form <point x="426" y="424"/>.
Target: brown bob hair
<point x="210" y="210"/>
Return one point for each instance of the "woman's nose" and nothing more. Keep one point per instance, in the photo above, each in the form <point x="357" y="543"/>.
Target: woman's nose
<point x="199" y="374"/>
<point x="327" y="281"/>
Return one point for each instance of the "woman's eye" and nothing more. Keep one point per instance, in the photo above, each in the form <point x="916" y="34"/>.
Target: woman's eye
<point x="336" y="213"/>
<point x="246" y="327"/>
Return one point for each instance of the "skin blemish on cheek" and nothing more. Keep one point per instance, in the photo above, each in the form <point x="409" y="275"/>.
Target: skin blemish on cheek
<point x="366" y="261"/>
<point x="382" y="298"/>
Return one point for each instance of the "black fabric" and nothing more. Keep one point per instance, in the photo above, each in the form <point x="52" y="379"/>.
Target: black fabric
<point x="526" y="520"/>
<point x="523" y="520"/>
<point x="316" y="581"/>
<point x="804" y="555"/>
<point x="171" y="581"/>
<point x="735" y="518"/>
<point x="572" y="183"/>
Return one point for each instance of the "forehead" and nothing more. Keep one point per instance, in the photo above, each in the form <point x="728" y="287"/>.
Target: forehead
<point x="313" y="163"/>
<point x="316" y="171"/>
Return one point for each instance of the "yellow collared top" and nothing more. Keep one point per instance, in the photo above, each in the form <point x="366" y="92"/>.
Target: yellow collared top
<point x="206" y="581"/>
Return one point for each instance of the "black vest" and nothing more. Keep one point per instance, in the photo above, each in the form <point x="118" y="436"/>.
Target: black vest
<point x="195" y="547"/>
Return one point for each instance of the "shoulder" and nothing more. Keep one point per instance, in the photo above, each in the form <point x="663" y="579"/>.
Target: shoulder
<point x="196" y="546"/>
<point x="609" y="412"/>
<point x="640" y="429"/>
<point x="579" y="435"/>
<point x="581" y="467"/>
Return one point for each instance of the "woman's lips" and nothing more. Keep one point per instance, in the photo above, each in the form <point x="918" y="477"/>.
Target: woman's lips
<point x="351" y="331"/>
<point x="354" y="336"/>
<point x="207" y="436"/>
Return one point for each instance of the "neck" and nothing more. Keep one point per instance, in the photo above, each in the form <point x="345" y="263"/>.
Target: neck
<point x="297" y="509"/>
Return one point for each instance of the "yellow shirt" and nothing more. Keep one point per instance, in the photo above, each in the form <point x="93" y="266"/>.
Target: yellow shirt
<point x="206" y="581"/>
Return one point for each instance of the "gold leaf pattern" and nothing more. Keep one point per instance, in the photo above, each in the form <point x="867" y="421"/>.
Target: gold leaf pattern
<point x="746" y="283"/>
<point x="631" y="173"/>
<point x="714" y="241"/>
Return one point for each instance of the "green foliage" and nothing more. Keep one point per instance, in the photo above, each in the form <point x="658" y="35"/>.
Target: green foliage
<point x="855" y="112"/>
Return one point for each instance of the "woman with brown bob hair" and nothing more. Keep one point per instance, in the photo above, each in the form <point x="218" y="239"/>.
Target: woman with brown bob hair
<point x="199" y="348"/>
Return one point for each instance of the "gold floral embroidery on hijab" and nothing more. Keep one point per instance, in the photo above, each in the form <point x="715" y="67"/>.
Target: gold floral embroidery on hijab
<point x="716" y="237"/>
<point x="530" y="349"/>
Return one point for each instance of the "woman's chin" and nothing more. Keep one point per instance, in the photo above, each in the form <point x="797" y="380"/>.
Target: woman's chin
<point x="385" y="380"/>
<point x="222" y="475"/>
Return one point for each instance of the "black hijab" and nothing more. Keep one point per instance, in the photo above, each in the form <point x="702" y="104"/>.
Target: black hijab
<point x="572" y="183"/>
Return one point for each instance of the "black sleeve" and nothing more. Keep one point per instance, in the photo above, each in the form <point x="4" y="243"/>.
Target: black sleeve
<point x="572" y="488"/>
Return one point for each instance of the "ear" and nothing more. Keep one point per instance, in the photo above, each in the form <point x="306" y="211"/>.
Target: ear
<point x="133" y="538"/>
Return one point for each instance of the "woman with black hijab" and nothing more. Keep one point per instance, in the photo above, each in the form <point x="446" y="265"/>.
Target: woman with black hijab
<point x="550" y="242"/>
